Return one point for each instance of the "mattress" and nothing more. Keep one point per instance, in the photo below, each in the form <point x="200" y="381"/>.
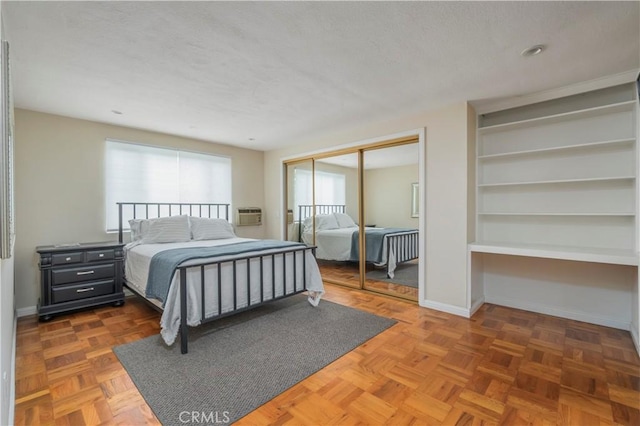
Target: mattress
<point x="335" y="244"/>
<point x="278" y="280"/>
<point x="332" y="244"/>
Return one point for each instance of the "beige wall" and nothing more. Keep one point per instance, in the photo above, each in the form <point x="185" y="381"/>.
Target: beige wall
<point x="59" y="166"/>
<point x="60" y="188"/>
<point x="447" y="205"/>
<point x="387" y="196"/>
<point x="445" y="186"/>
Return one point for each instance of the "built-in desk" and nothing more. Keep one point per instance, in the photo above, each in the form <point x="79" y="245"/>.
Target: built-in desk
<point x="594" y="286"/>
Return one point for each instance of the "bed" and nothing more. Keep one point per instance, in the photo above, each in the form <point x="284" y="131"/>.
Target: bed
<point x="177" y="243"/>
<point x="337" y="238"/>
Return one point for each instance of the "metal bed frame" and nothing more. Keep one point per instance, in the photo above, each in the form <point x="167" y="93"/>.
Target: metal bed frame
<point x="403" y="244"/>
<point x="306" y="210"/>
<point x="297" y="255"/>
<point x="181" y="207"/>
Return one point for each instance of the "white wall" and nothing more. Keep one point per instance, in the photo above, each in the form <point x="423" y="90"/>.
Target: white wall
<point x="7" y="330"/>
<point x="592" y="292"/>
<point x="635" y="313"/>
<point x="387" y="195"/>
<point x="447" y="207"/>
<point x="446" y="191"/>
<point x="59" y="165"/>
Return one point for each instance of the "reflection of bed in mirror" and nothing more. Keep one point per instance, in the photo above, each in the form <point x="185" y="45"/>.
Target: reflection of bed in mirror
<point x="337" y="238"/>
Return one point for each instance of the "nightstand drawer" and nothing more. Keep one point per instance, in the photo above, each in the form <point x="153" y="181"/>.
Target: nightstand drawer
<point x="85" y="273"/>
<point x="81" y="291"/>
<point x="64" y="258"/>
<point x="80" y="275"/>
<point x="96" y="255"/>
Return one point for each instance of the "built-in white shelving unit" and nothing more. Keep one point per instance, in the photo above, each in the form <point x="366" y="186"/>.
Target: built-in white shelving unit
<point x="557" y="183"/>
<point x="565" y="179"/>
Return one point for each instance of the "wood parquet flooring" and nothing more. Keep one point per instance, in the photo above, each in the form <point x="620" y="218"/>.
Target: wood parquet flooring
<point x="347" y="274"/>
<point x="503" y="366"/>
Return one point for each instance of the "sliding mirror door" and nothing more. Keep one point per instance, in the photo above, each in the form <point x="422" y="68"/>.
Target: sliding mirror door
<point x="360" y="208"/>
<point x="336" y="210"/>
<point x="390" y="197"/>
<point x="299" y="178"/>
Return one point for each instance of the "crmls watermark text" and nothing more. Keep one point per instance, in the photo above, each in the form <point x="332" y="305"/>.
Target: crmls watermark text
<point x="202" y="417"/>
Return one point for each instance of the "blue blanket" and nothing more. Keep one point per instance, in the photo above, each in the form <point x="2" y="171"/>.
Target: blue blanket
<point x="374" y="239"/>
<point x="163" y="265"/>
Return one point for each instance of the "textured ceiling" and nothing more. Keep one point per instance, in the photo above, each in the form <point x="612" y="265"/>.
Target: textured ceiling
<point x="265" y="75"/>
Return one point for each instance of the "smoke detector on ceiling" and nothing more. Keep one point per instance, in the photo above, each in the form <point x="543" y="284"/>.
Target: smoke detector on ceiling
<point x="533" y="50"/>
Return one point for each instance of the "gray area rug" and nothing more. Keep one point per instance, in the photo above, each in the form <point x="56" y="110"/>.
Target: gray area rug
<point x="238" y="363"/>
<point x="405" y="274"/>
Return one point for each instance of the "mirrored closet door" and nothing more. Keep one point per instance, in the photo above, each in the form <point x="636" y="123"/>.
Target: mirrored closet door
<point x="359" y="207"/>
<point x="299" y="192"/>
<point x="336" y="218"/>
<point x="390" y="205"/>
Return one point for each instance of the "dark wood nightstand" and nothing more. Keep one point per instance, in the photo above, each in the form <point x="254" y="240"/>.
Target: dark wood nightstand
<point x="79" y="276"/>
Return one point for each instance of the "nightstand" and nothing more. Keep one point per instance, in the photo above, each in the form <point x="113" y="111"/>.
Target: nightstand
<point x="75" y="276"/>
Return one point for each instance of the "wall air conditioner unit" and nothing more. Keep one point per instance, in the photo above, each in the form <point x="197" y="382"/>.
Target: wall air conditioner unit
<point x="249" y="216"/>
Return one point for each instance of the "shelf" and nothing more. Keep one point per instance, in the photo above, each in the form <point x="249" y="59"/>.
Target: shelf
<point x="555" y="149"/>
<point x="580" y="254"/>
<point x="561" y="185"/>
<point x="583" y="113"/>
<point x="551" y="182"/>
<point x="616" y="214"/>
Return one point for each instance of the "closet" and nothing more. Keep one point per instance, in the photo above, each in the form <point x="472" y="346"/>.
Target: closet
<point x="368" y="187"/>
<point x="556" y="208"/>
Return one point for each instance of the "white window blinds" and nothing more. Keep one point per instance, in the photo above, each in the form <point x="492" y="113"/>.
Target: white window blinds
<point x="139" y="173"/>
<point x="330" y="188"/>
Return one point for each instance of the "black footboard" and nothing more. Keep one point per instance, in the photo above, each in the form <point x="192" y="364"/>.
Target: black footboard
<point x="248" y="273"/>
<point x="404" y="246"/>
<point x="274" y="275"/>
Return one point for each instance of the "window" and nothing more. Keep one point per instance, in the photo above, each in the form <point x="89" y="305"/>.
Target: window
<point x="330" y="188"/>
<point x="150" y="174"/>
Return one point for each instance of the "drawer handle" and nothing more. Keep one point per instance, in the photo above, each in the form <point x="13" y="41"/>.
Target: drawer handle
<point x="82" y="290"/>
<point x="67" y="259"/>
<point x="101" y="255"/>
<point x="86" y="273"/>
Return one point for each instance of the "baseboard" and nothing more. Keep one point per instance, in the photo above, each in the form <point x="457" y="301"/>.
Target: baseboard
<point x="635" y="335"/>
<point x="478" y="303"/>
<point x="548" y="310"/>
<point x="444" y="307"/>
<point x="25" y="312"/>
<point x="12" y="389"/>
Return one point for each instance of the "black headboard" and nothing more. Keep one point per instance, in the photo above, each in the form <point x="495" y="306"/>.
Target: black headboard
<point x="306" y="210"/>
<point x="135" y="210"/>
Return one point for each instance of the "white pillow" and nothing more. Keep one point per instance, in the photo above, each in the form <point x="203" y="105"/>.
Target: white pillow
<point x="306" y="225"/>
<point x="173" y="229"/>
<point x="344" y="220"/>
<point x="138" y="228"/>
<point x="326" y="221"/>
<point x="203" y="228"/>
